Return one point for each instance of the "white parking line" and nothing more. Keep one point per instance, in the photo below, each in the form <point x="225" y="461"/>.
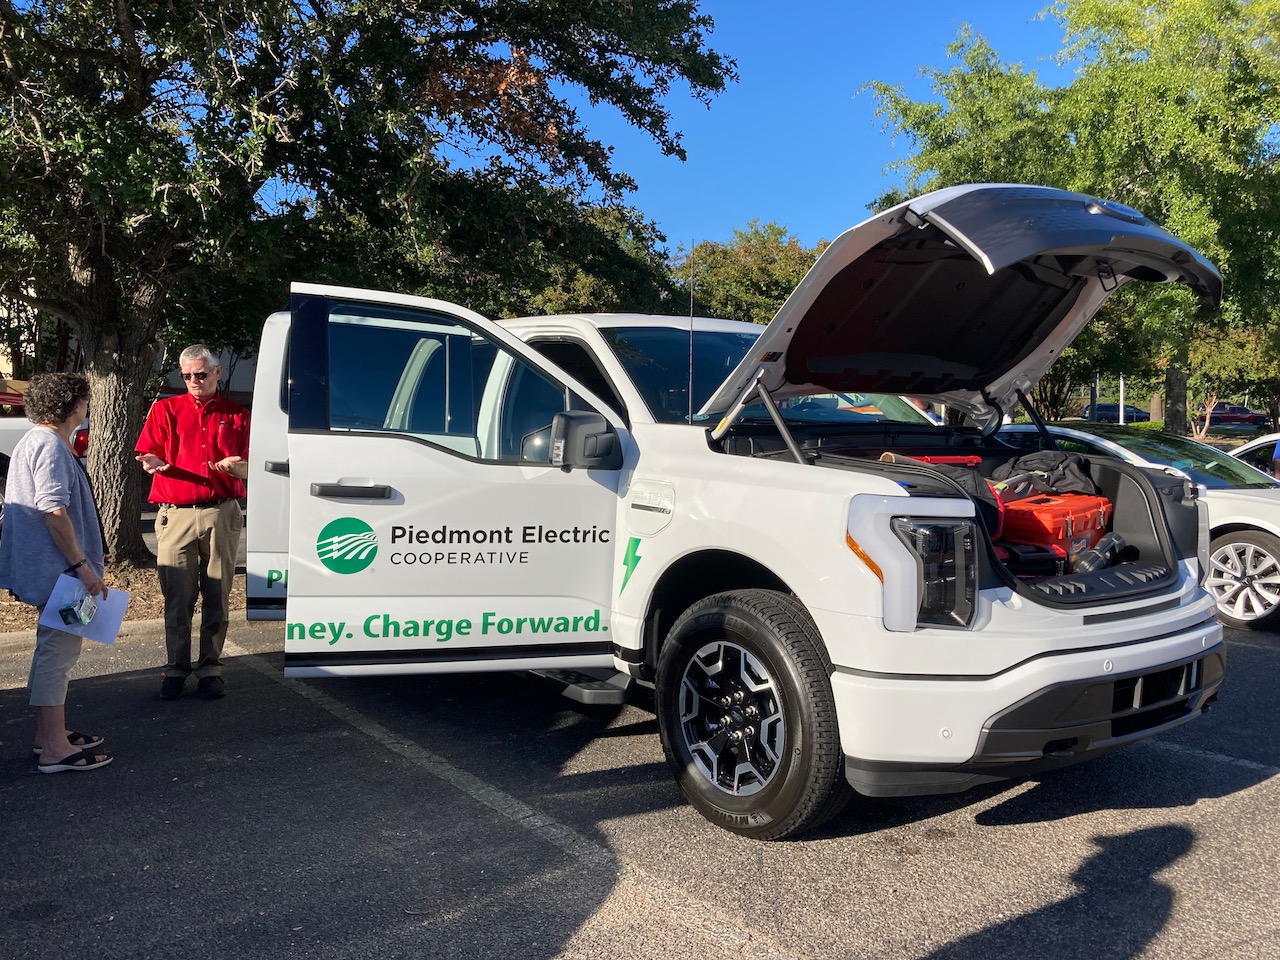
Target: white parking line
<point x="671" y="898"/>
<point x="1215" y="757"/>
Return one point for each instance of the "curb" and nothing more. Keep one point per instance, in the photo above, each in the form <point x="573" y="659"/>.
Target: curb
<point x="16" y="638"/>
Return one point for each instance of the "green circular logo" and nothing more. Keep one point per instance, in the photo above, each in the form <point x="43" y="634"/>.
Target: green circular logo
<point x="347" y="545"/>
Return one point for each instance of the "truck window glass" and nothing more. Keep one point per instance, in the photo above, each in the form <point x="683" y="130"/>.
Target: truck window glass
<point x="284" y="374"/>
<point x="528" y="407"/>
<point x="433" y="378"/>
<point x="657" y="360"/>
<point x="579" y="361"/>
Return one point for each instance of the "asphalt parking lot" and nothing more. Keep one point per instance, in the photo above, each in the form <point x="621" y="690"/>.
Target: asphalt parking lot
<point x="486" y="816"/>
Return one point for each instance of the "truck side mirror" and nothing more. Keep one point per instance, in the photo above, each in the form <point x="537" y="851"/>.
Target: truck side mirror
<point x="580" y="438"/>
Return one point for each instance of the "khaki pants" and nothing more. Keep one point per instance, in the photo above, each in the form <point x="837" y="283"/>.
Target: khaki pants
<point x="196" y="557"/>
<point x="56" y="653"/>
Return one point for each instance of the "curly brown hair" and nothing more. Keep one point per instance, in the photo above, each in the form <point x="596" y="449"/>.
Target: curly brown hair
<point x="52" y="397"/>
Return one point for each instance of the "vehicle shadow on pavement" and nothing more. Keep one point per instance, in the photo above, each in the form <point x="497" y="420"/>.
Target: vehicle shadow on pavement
<point x="1151" y="775"/>
<point x="1145" y="776"/>
<point x="587" y="763"/>
<point x="1148" y="775"/>
<point x="1118" y="892"/>
<point x="260" y="824"/>
<point x="872" y="815"/>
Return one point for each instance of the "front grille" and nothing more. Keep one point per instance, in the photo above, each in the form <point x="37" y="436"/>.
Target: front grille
<point x="1072" y="720"/>
<point x="1152" y="699"/>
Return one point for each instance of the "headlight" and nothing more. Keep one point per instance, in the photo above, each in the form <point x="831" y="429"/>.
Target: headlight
<point x="946" y="568"/>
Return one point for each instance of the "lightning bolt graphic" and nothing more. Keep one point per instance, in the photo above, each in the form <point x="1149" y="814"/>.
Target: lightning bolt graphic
<point x="629" y="561"/>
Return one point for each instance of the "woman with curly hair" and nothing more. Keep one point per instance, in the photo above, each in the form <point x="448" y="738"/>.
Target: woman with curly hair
<point x="50" y="528"/>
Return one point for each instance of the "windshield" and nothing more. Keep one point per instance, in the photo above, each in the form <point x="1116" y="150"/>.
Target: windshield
<point x="657" y="360"/>
<point x="1216" y="469"/>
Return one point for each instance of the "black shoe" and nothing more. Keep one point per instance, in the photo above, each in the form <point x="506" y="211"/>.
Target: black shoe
<point x="211" y="688"/>
<point x="171" y="688"/>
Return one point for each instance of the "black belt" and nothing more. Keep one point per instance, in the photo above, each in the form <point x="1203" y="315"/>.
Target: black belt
<point x="202" y="503"/>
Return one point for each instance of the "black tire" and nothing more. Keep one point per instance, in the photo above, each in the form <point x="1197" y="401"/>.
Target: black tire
<point x="1244" y="578"/>
<point x="746" y="715"/>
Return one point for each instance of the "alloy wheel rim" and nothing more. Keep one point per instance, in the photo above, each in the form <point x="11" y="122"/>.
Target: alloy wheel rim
<point x="731" y="718"/>
<point x="1244" y="580"/>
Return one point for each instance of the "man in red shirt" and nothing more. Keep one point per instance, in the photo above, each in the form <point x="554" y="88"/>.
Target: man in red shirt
<point x="196" y="448"/>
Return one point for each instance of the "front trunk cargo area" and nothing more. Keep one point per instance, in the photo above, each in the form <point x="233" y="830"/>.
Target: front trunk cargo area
<point x="1152" y="516"/>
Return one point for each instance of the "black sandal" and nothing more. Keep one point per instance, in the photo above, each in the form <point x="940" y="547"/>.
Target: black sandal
<point x="85" y="741"/>
<point x="84" y="760"/>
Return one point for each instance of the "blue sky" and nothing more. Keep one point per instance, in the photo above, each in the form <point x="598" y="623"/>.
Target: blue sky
<point x="793" y="141"/>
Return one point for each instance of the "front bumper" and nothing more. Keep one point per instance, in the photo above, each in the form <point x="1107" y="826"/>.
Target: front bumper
<point x="913" y="734"/>
<point x="1059" y="725"/>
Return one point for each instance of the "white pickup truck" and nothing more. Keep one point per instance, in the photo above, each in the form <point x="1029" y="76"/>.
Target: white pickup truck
<point x="702" y="505"/>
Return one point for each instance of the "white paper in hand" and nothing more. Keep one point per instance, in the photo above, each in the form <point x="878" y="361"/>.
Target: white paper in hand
<point x="107" y="615"/>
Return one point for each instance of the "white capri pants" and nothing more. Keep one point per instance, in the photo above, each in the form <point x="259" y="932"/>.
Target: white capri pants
<point x="56" y="653"/>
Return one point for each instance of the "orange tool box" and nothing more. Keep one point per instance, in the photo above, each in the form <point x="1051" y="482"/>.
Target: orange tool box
<point x="1074" y="522"/>
<point x="962" y="460"/>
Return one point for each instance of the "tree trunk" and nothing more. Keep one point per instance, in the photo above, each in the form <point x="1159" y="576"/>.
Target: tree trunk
<point x="1175" y="385"/>
<point x="117" y="406"/>
<point x="119" y="365"/>
<point x="1175" y="407"/>
<point x="116" y="329"/>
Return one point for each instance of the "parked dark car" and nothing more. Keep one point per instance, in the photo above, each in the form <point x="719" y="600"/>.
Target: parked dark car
<point x="1234" y="413"/>
<point x="1110" y="413"/>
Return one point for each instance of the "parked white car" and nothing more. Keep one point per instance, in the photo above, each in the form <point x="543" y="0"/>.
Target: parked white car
<point x="1243" y="502"/>
<point x="1258" y="452"/>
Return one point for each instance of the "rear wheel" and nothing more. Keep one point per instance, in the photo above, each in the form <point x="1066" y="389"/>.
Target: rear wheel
<point x="747" y="717"/>
<point x="1244" y="578"/>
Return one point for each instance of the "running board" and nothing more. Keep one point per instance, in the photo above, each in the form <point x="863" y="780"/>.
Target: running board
<point x="592" y="687"/>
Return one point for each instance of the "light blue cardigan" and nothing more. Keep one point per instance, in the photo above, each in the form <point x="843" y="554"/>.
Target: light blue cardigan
<point x="44" y="476"/>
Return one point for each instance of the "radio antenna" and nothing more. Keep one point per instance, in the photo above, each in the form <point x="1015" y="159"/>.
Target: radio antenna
<point x="691" y="279"/>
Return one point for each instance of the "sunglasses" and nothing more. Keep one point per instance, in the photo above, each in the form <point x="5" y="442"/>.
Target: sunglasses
<point x="202" y="376"/>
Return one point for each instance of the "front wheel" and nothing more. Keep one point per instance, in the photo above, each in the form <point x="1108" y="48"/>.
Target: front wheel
<point x="1244" y="578"/>
<point x="747" y="717"/>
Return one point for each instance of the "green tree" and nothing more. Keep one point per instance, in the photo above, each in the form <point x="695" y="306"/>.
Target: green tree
<point x="621" y="268"/>
<point x="1055" y="395"/>
<point x="1173" y="110"/>
<point x="1230" y="364"/>
<point x="152" y="149"/>
<point x="749" y="277"/>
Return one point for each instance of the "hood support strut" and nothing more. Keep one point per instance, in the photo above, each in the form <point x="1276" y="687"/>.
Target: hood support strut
<point x="781" y="424"/>
<point x="1034" y="414"/>
<point x="754" y="388"/>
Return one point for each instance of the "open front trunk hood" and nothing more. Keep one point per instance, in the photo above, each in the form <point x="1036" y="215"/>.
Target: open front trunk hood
<point x="964" y="296"/>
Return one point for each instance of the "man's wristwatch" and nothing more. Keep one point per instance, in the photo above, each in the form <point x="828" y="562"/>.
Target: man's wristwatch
<point x="77" y="565"/>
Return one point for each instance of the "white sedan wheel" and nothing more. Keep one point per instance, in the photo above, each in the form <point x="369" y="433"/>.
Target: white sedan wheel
<point x="1244" y="578"/>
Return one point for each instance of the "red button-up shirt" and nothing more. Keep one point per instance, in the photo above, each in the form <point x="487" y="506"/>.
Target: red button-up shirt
<point x="189" y="434"/>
